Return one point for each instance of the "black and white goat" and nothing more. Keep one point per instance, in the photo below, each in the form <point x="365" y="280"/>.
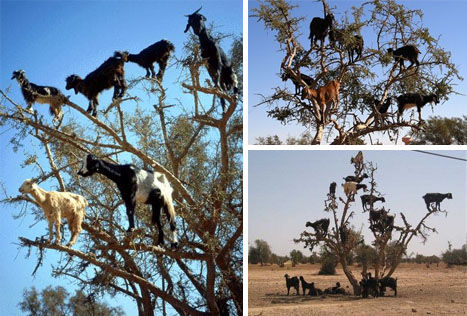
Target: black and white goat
<point x="307" y="79"/>
<point x="137" y="185"/>
<point x="320" y="226"/>
<point x="410" y="100"/>
<point x="158" y="52"/>
<point x="219" y="67"/>
<point x="436" y="198"/>
<point x="370" y="200"/>
<point x="409" y="52"/>
<point x="355" y="178"/>
<point x="110" y="74"/>
<point x="387" y="282"/>
<point x="40" y="94"/>
<point x="319" y="28"/>
<point x="292" y="282"/>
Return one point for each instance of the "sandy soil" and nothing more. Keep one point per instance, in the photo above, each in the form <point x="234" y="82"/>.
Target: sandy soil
<point x="421" y="291"/>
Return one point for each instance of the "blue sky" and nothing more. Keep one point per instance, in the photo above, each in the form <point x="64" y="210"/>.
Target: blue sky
<point x="288" y="188"/>
<point x="442" y="17"/>
<point x="53" y="39"/>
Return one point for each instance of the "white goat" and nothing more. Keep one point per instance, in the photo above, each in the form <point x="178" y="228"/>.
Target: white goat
<point x="353" y="187"/>
<point x="57" y="204"/>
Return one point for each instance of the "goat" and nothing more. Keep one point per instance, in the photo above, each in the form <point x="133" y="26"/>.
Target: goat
<point x="335" y="289"/>
<point x="381" y="221"/>
<point x="387" y="282"/>
<point x="409" y="52"/>
<point x="137" y="185"/>
<point x="40" y="94"/>
<point x="109" y="74"/>
<point x="353" y="187"/>
<point x="306" y="285"/>
<point x="158" y="52"/>
<point x="314" y="291"/>
<point x="292" y="282"/>
<point x="307" y="79"/>
<point x="357" y="160"/>
<point x="57" y="205"/>
<point x="435" y="198"/>
<point x="324" y="95"/>
<point x="369" y="285"/>
<point x="355" y="178"/>
<point x="319" y="28"/>
<point x="320" y="226"/>
<point x="332" y="190"/>
<point x="344" y="234"/>
<point x="370" y="200"/>
<point x="407" y="101"/>
<point x="219" y="67"/>
<point x="354" y="46"/>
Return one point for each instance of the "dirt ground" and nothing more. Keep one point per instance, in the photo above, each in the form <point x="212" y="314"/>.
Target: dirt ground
<point x="420" y="291"/>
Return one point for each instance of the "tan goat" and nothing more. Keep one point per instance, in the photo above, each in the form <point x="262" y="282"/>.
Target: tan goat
<point x="323" y="96"/>
<point x="57" y="204"/>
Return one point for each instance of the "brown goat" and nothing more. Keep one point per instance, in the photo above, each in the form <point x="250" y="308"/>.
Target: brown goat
<point x="323" y="96"/>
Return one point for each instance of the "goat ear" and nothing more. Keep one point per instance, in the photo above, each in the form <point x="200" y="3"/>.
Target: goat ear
<point x="203" y="18"/>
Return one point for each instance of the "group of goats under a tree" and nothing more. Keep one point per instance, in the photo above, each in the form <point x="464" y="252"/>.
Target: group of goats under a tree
<point x="112" y="73"/>
<point x="381" y="224"/>
<point x="134" y="184"/>
<point x="329" y="93"/>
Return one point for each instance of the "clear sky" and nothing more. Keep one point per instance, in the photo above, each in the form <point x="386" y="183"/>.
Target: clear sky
<point x="288" y="188"/>
<point x="53" y="39"/>
<point x="444" y="18"/>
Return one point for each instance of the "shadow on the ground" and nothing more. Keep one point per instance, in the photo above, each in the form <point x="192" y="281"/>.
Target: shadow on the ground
<point x="283" y="298"/>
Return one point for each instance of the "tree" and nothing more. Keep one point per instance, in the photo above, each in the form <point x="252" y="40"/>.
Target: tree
<point x="364" y="85"/>
<point x="57" y="301"/>
<point x="195" y="145"/>
<point x="297" y="257"/>
<point x="366" y="256"/>
<point x="455" y="256"/>
<point x="342" y="241"/>
<point x="261" y="253"/>
<point x="442" y="131"/>
<point x="328" y="262"/>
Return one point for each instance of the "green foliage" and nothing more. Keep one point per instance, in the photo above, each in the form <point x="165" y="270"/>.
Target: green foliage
<point x="297" y="257"/>
<point x="456" y="256"/>
<point x="260" y="253"/>
<point x="328" y="262"/>
<point x="57" y="302"/>
<point x="442" y="131"/>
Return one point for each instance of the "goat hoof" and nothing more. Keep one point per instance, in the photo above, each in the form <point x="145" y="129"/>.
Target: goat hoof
<point x="174" y="245"/>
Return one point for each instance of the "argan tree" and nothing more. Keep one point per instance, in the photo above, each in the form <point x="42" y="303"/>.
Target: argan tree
<point x="195" y="144"/>
<point x="366" y="83"/>
<point x="391" y="236"/>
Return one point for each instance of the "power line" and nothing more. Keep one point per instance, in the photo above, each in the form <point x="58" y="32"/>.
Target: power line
<point x="444" y="156"/>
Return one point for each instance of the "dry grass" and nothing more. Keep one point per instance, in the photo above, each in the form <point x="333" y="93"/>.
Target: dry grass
<point x="421" y="290"/>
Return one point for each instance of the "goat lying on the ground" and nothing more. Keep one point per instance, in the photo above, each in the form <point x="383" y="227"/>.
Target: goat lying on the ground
<point x="292" y="282"/>
<point x="57" y="205"/>
<point x="410" y="100"/>
<point x="387" y="282"/>
<point x="436" y="198"/>
<point x="40" y="94"/>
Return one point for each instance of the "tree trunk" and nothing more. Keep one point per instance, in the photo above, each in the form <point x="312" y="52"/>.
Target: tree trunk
<point x="318" y="135"/>
<point x="348" y="273"/>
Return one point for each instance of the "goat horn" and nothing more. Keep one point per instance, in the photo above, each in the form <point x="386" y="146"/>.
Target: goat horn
<point x="198" y="10"/>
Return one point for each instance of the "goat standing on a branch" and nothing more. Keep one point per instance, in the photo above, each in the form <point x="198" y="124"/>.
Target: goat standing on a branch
<point x="55" y="205"/>
<point x="219" y="67"/>
<point x="40" y="94"/>
<point x="324" y="96"/>
<point x="137" y="185"/>
<point x="436" y="198"/>
<point x="158" y="52"/>
<point x="319" y="28"/>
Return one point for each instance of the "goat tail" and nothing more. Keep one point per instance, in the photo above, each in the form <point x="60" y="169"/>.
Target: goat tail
<point x="170" y="211"/>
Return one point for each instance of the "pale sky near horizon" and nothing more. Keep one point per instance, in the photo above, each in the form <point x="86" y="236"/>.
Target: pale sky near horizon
<point x="288" y="188"/>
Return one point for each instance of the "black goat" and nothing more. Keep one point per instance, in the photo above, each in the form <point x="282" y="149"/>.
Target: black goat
<point x="369" y="285"/>
<point x="319" y="28"/>
<point x="306" y="285"/>
<point x="40" y="94"/>
<point x="158" y="52"/>
<point x="332" y="190"/>
<point x="355" y="45"/>
<point x="381" y="221"/>
<point x="435" y="198"/>
<point x="110" y="74"/>
<point x="369" y="200"/>
<point x="409" y="52"/>
<point x="387" y="282"/>
<point x="355" y="178"/>
<point x="219" y="67"/>
<point x="307" y="79"/>
<point x="314" y="291"/>
<point x="320" y="226"/>
<point x="383" y="108"/>
<point x="292" y="282"/>
<point x="409" y="100"/>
